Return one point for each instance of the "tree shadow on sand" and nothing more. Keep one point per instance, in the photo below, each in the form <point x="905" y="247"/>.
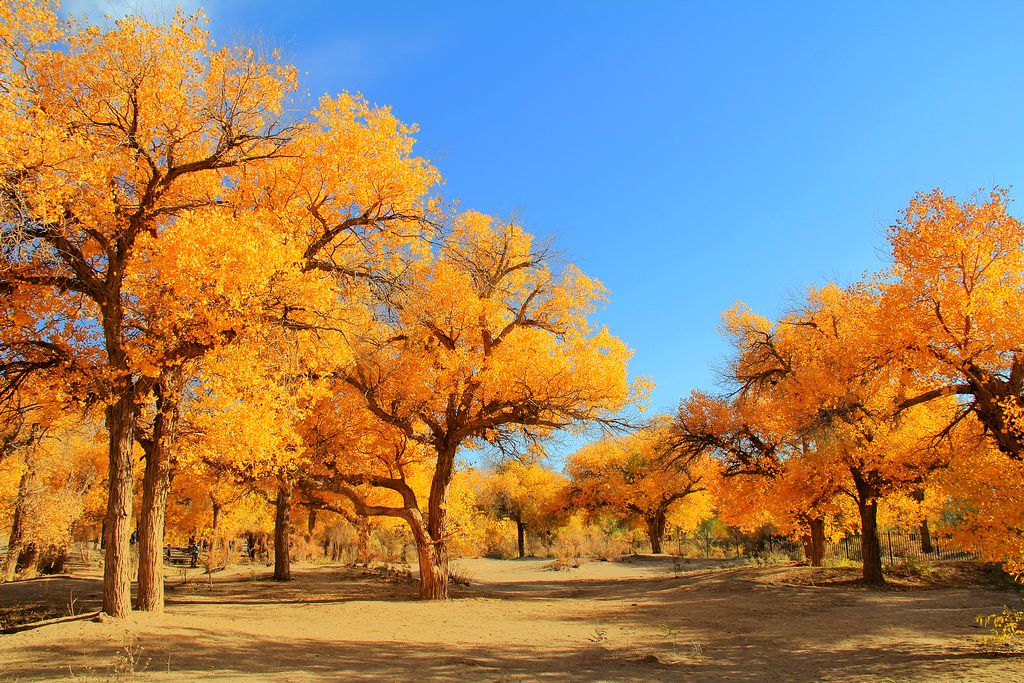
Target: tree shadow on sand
<point x="200" y="653"/>
<point x="716" y="625"/>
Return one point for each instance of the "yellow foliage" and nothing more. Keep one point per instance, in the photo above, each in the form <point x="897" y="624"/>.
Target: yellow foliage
<point x="530" y="494"/>
<point x="65" y="488"/>
<point x="628" y="475"/>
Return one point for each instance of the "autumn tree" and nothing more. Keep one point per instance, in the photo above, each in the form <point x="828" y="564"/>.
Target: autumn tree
<point x="56" y="495"/>
<point x="525" y="493"/>
<point x="953" y="292"/>
<point x="770" y="474"/>
<point x="241" y="416"/>
<point x="818" y="371"/>
<point x="39" y="422"/>
<point x="486" y="341"/>
<point x="979" y="501"/>
<point x="115" y="135"/>
<point x="122" y="271"/>
<point x="949" y="300"/>
<point x="315" y="499"/>
<point x="884" y="388"/>
<point x="629" y="475"/>
<point x="194" y="297"/>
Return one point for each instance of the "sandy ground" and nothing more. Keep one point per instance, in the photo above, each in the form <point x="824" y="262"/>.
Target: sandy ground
<point x="644" y="619"/>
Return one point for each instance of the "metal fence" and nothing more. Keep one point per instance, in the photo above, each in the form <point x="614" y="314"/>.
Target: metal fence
<point x="898" y="547"/>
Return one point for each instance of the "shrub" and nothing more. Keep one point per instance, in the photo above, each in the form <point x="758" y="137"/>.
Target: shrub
<point x="498" y="539"/>
<point x="1007" y="625"/>
<point x="775" y="557"/>
<point x="577" y="540"/>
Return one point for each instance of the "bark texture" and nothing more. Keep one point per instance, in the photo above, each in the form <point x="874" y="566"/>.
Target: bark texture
<point x="156" y="484"/>
<point x="871" y="547"/>
<point x="656" y="531"/>
<point x="363" y="540"/>
<point x="16" y="541"/>
<point x="926" y="534"/>
<point x="926" y="538"/>
<point x="817" y="541"/>
<point x="282" y="534"/>
<point x="117" y="582"/>
<point x="433" y="561"/>
<point x="433" y="553"/>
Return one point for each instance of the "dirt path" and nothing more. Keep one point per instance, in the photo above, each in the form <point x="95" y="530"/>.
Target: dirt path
<point x="642" y="620"/>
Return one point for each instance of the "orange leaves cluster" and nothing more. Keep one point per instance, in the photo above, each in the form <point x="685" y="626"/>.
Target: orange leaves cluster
<point x="481" y="341"/>
<point x="488" y="341"/>
<point x="530" y="494"/>
<point x="162" y="201"/>
<point x="175" y="166"/>
<point x="884" y="388"/>
<point x="629" y="475"/>
<point x="64" y="490"/>
<point x="959" y="271"/>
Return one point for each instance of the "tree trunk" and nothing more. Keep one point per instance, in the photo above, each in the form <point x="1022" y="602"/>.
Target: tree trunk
<point x="310" y="523"/>
<point x="282" y="534"/>
<point x="434" y="571"/>
<point x="16" y="542"/>
<point x="156" y="484"/>
<point x="521" y="528"/>
<point x="117" y="567"/>
<point x="871" y="547"/>
<point x="817" y="545"/>
<point x="155" y="487"/>
<point x="433" y="550"/>
<point x="28" y="557"/>
<point x="433" y="561"/>
<point x="216" y="542"/>
<point x="656" y="531"/>
<point x="926" y="535"/>
<point x="363" y="539"/>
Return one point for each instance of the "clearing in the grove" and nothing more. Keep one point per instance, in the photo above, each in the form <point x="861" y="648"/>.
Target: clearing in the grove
<point x="640" y="618"/>
<point x="292" y="390"/>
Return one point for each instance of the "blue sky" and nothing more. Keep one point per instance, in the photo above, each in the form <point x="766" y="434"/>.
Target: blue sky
<point x="688" y="155"/>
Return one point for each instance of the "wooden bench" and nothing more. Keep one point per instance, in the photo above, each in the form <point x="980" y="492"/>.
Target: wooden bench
<point x="178" y="556"/>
